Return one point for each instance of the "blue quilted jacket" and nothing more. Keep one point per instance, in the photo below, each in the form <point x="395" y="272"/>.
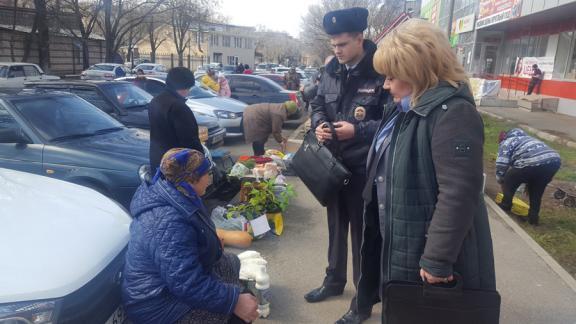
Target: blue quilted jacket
<point x="173" y="246"/>
<point x="518" y="150"/>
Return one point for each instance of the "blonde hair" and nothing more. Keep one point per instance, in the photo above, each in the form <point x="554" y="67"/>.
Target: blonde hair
<point x="419" y="53"/>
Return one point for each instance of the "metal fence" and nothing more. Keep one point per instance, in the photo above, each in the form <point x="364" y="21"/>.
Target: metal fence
<point x="170" y="60"/>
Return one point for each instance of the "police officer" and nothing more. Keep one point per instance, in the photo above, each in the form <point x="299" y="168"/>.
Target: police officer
<point x="351" y="97"/>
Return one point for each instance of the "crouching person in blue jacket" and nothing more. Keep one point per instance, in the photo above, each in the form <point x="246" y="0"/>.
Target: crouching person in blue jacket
<point x="176" y="270"/>
<point x="524" y="159"/>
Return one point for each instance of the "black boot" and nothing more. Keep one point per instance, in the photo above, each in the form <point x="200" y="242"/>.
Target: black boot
<point x="321" y="293"/>
<point x="352" y="317"/>
<point x="533" y="219"/>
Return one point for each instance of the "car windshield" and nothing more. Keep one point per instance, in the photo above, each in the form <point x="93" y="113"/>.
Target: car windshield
<point x="102" y="67"/>
<point x="65" y="117"/>
<point x="127" y="95"/>
<point x="199" y="92"/>
<point x="145" y="67"/>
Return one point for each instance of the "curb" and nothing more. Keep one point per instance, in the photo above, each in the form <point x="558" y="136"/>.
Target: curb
<point x="557" y="268"/>
<point x="543" y="135"/>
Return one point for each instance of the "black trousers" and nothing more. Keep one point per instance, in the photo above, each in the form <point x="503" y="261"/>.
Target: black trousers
<point x="258" y="148"/>
<point x="344" y="214"/>
<point x="533" y="83"/>
<point x="536" y="179"/>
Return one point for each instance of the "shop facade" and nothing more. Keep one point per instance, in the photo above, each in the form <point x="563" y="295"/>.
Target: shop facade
<point x="501" y="39"/>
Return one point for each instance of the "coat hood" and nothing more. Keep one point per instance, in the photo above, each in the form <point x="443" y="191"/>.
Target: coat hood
<point x="434" y="97"/>
<point x="159" y="194"/>
<point x="515" y="132"/>
<point x="364" y="68"/>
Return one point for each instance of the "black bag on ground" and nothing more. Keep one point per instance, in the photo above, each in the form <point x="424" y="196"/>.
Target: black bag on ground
<point x="411" y="302"/>
<point x="319" y="169"/>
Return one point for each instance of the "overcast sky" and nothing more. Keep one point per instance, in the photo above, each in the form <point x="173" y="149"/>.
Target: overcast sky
<point x="278" y="15"/>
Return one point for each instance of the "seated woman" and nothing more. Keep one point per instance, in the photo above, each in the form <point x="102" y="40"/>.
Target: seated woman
<point x="425" y="217"/>
<point x="176" y="270"/>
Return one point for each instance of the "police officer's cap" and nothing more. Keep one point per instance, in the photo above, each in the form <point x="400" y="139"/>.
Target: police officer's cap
<point x="349" y="20"/>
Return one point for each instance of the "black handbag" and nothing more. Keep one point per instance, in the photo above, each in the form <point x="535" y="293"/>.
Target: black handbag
<point x="319" y="169"/>
<point x="411" y="302"/>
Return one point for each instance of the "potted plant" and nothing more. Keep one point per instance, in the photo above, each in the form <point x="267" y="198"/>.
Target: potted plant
<point x="266" y="197"/>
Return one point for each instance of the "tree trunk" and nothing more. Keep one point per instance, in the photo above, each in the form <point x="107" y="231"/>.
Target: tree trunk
<point x="43" y="35"/>
<point x="181" y="57"/>
<point x="153" y="54"/>
<point x="85" y="54"/>
<point x="108" y="33"/>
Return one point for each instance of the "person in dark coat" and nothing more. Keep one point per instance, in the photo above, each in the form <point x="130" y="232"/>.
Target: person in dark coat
<point x="425" y="217"/>
<point x="524" y="159"/>
<point x="172" y="123"/>
<point x="240" y="68"/>
<point x="350" y="96"/>
<point x="176" y="270"/>
<point x="536" y="79"/>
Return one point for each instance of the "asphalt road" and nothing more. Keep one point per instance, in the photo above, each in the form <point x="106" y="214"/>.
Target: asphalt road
<point x="531" y="291"/>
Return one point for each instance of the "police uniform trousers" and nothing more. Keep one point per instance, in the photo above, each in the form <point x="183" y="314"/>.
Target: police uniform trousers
<point x="345" y="213"/>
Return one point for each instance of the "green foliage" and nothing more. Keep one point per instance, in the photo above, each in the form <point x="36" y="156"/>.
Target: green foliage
<point x="262" y="199"/>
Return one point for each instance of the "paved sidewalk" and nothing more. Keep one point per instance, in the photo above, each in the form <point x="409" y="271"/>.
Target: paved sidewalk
<point x="559" y="125"/>
<point x="531" y="291"/>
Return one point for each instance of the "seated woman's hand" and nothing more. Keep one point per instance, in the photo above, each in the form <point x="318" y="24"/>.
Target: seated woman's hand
<point x="432" y="279"/>
<point x="247" y="308"/>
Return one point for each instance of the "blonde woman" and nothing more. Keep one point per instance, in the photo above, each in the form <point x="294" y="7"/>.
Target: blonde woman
<point x="425" y="218"/>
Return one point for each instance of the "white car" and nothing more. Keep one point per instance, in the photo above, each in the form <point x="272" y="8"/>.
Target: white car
<point x="152" y="69"/>
<point x="62" y="252"/>
<point x="104" y="71"/>
<point x="14" y="75"/>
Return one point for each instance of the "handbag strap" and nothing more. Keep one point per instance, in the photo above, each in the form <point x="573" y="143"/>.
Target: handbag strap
<point x="335" y="143"/>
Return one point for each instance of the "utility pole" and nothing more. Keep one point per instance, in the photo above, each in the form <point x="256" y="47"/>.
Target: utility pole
<point x="450" y="18"/>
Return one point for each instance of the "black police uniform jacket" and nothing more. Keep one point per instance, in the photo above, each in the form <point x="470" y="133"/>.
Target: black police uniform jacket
<point x="356" y="97"/>
<point x="427" y="210"/>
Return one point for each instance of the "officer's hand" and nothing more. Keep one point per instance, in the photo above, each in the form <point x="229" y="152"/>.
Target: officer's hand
<point x="323" y="133"/>
<point x="344" y="130"/>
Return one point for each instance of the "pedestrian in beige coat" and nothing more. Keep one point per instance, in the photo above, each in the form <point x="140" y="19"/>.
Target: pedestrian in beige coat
<point x="265" y="119"/>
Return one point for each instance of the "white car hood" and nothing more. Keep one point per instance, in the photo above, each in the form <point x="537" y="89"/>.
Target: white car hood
<point x="54" y="236"/>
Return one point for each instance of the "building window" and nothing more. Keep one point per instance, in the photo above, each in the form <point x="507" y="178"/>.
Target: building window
<point x="214" y="40"/>
<point x="232" y="60"/>
<point x="248" y="43"/>
<point x="217" y="58"/>
<point x="562" y="54"/>
<point x="226" y="41"/>
<point x="571" y="68"/>
<point x="238" y="42"/>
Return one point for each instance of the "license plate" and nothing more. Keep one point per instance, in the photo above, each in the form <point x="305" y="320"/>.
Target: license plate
<point x="217" y="138"/>
<point x="118" y="317"/>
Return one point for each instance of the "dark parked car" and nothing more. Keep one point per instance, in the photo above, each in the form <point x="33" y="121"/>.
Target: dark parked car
<point x="204" y="102"/>
<point x="278" y="78"/>
<point x="253" y="89"/>
<point x="60" y="135"/>
<point x="127" y="103"/>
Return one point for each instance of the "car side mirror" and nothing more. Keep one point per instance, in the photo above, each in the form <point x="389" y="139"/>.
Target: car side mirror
<point x="14" y="135"/>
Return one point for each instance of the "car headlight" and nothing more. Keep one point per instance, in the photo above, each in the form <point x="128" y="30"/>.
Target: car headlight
<point x="36" y="312"/>
<point x="225" y="114"/>
<point x="203" y="133"/>
<point x="144" y="173"/>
